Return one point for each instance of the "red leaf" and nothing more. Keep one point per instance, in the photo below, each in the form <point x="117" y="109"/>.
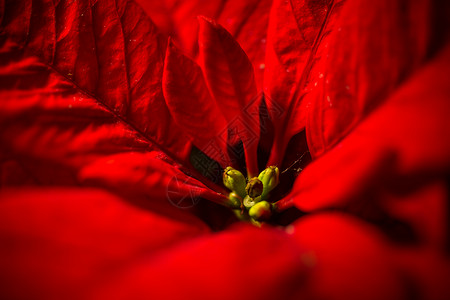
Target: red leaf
<point x="64" y="136"/>
<point x="247" y="22"/>
<point x="366" y="51"/>
<point x="81" y="103"/>
<point x="110" y="52"/>
<point x="229" y="75"/>
<point x="192" y="107"/>
<point x="47" y="120"/>
<point x="178" y="19"/>
<point x="59" y="243"/>
<point x="203" y="268"/>
<point x="288" y="63"/>
<point x="391" y="170"/>
<point x="92" y="91"/>
<point x="134" y="174"/>
<point x="378" y="149"/>
<point x="349" y="258"/>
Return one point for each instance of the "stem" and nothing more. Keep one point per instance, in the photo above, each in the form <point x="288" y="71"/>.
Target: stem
<point x="217" y="198"/>
<point x="283" y="204"/>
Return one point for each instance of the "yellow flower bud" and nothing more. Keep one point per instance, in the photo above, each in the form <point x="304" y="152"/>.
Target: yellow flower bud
<point x="260" y="211"/>
<point x="235" y="181"/>
<point x="270" y="179"/>
<point x="235" y="200"/>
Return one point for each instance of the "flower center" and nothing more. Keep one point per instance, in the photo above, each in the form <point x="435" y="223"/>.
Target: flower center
<point x="249" y="197"/>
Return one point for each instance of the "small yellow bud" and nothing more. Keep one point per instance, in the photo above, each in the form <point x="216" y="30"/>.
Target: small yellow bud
<point x="260" y="211"/>
<point x="235" y="200"/>
<point x="270" y="179"/>
<point x="235" y="181"/>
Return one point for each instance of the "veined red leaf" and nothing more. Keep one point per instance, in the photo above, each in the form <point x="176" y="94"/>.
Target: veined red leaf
<point x="55" y="125"/>
<point x="192" y="106"/>
<point x="229" y="76"/>
<point x="379" y="153"/>
<point x="47" y="118"/>
<point x="134" y="174"/>
<point x="366" y="51"/>
<point x="64" y="136"/>
<point x="288" y="62"/>
<point x="108" y="49"/>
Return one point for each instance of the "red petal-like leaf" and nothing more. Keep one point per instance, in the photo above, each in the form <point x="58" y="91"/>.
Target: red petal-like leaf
<point x="203" y="268"/>
<point x="46" y="120"/>
<point x="56" y="124"/>
<point x="288" y="63"/>
<point x="63" y="136"/>
<point x="349" y="258"/>
<point x="229" y="75"/>
<point x="392" y="170"/>
<point x="111" y="51"/>
<point x="134" y="174"/>
<point x="378" y="150"/>
<point x="59" y="243"/>
<point x="366" y="51"/>
<point x="247" y="22"/>
<point x="178" y="19"/>
<point x="192" y="107"/>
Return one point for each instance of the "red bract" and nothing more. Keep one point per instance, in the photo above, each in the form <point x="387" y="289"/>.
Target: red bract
<point x="111" y="133"/>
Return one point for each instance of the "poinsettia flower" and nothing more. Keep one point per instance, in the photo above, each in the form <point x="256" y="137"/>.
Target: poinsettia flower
<point x="109" y="127"/>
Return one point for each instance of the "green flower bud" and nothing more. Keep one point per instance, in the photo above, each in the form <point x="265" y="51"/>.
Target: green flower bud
<point x="270" y="179"/>
<point x="249" y="201"/>
<point x="260" y="211"/>
<point x="235" y="200"/>
<point x="234" y="180"/>
<point x="254" y="187"/>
